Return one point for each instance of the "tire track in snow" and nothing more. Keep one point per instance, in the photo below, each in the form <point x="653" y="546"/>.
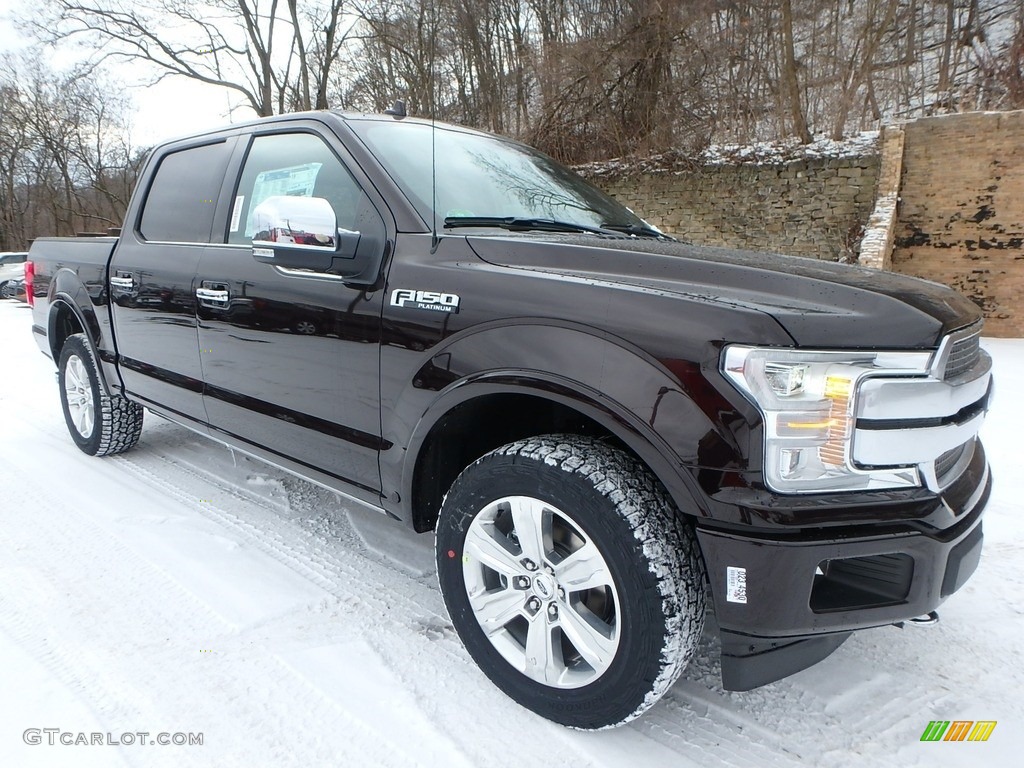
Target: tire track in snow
<point x="36" y="618"/>
<point x="113" y="680"/>
<point x="734" y="739"/>
<point x="419" y="648"/>
<point x="406" y="625"/>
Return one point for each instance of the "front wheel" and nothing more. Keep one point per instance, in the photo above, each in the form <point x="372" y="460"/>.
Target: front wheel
<point x="572" y="580"/>
<point x="100" y="424"/>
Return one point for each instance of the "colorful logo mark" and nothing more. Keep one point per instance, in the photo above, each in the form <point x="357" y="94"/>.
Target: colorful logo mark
<point x="958" y="730"/>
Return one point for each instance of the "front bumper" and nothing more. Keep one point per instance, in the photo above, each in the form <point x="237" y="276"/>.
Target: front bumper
<point x="783" y="603"/>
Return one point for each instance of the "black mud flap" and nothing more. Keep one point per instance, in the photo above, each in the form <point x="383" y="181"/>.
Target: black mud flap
<point x="749" y="662"/>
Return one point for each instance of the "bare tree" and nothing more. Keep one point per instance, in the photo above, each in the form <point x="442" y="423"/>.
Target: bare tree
<point x="268" y="53"/>
<point x="66" y="164"/>
<point x="1002" y="68"/>
<point x="583" y="79"/>
<point x="789" y="76"/>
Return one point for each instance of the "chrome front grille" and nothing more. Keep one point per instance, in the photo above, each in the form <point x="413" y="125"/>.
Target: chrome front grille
<point x="930" y="422"/>
<point x="948" y="460"/>
<point x="963" y="352"/>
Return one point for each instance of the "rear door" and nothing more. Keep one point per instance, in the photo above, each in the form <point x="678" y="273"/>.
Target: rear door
<point x="152" y="275"/>
<point x="291" y="358"/>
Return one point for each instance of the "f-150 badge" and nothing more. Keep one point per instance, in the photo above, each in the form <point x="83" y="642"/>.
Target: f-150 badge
<point x="432" y="300"/>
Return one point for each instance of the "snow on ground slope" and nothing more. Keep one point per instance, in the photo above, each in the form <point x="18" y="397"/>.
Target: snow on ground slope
<point x="180" y="589"/>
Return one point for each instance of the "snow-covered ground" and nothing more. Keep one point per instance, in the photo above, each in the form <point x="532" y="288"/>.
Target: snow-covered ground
<point x="179" y="589"/>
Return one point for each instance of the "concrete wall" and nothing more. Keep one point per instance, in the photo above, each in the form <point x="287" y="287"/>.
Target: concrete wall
<point x="960" y="220"/>
<point x="812" y="207"/>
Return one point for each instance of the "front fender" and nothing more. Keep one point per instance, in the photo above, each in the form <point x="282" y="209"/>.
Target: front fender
<point x="665" y="411"/>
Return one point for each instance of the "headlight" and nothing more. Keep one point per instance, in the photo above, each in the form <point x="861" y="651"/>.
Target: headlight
<point x="809" y="404"/>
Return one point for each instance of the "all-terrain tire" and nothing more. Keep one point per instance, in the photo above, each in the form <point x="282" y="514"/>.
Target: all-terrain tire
<point x="115" y="422"/>
<point x="646" y="614"/>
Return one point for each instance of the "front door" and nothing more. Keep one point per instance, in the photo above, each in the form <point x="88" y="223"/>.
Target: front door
<point x="291" y="358"/>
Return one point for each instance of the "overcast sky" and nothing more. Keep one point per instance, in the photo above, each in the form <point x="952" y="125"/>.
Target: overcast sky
<point x="174" y="107"/>
<point x="178" y="106"/>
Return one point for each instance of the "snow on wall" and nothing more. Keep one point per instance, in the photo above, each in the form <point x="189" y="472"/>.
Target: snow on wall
<point x="809" y="200"/>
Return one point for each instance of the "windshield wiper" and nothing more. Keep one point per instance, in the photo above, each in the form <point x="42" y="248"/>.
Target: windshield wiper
<point x="639" y="230"/>
<point x="517" y="224"/>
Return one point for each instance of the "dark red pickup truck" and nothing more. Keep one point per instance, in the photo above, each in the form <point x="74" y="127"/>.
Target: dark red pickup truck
<point x="606" y="428"/>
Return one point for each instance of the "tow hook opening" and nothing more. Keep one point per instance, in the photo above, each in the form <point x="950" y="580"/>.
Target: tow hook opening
<point x="929" y="619"/>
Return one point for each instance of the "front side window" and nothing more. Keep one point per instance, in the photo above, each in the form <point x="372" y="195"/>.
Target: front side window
<point x="296" y="164"/>
<point x="182" y="199"/>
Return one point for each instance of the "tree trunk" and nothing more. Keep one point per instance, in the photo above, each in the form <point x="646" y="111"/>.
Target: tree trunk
<point x="790" y="85"/>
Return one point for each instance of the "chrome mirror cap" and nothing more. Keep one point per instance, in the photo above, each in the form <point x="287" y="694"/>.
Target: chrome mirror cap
<point x="296" y="222"/>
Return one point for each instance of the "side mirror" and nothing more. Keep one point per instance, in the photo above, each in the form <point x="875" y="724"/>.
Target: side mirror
<point x="302" y="233"/>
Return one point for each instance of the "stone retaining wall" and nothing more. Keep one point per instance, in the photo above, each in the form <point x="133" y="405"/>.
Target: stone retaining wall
<point x="814" y="207"/>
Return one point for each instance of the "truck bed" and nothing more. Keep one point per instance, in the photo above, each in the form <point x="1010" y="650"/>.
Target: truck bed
<point x="77" y="267"/>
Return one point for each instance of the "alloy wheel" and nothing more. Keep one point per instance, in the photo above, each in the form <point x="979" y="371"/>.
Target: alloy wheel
<point x="541" y="591"/>
<point x="79" y="396"/>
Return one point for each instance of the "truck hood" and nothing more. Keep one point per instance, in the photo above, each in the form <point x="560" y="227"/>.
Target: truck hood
<point x="820" y="304"/>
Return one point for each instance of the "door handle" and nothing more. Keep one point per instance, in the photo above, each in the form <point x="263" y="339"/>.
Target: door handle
<point x="211" y="294"/>
<point x="122" y="282"/>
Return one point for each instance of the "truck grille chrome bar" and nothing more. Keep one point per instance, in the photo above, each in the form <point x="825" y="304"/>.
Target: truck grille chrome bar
<point x="948" y="460"/>
<point x="927" y="422"/>
<point x="960" y="352"/>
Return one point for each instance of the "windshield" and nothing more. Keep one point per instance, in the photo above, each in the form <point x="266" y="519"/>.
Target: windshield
<point x="485" y="176"/>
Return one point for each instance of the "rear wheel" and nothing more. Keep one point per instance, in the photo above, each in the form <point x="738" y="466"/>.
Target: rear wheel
<point x="100" y="424"/>
<point x="571" y="578"/>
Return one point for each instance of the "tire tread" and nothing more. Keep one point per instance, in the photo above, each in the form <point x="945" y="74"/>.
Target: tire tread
<point x="663" y="534"/>
<point x="118" y="419"/>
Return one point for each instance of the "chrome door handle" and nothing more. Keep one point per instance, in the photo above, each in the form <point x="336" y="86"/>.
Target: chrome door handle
<point x="210" y="294"/>
<point x="124" y="283"/>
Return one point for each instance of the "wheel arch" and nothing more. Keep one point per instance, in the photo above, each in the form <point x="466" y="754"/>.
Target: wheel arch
<point x="524" y="405"/>
<point x="66" y="317"/>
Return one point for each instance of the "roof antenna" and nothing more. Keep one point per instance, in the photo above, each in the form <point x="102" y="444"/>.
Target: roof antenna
<point x="397" y="111"/>
<point x="434" y="241"/>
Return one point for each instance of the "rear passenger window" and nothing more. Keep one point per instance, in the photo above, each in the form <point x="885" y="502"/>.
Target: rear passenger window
<point x="183" y="196"/>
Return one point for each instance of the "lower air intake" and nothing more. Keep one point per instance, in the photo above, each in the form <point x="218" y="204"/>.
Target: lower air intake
<point x="861" y="582"/>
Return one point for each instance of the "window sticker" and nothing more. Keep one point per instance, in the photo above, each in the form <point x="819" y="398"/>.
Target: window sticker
<point x="295" y="181"/>
<point x="236" y="212"/>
